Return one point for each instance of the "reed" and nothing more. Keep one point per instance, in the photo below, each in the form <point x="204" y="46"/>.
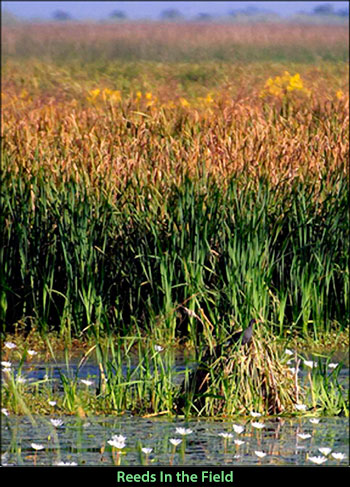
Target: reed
<point x="148" y="202"/>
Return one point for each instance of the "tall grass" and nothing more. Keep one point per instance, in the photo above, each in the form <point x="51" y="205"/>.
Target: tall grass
<point x="76" y="260"/>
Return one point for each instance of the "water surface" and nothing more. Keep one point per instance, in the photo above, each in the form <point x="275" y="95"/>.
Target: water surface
<point x="85" y="441"/>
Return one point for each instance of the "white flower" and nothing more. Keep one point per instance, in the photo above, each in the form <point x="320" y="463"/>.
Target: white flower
<point x="10" y="345"/>
<point x="158" y="348"/>
<point x="303" y="436"/>
<point x="314" y="420"/>
<point x="37" y="446"/>
<point x="310" y="364"/>
<point x="65" y="464"/>
<point x="184" y="431"/>
<point x="300" y="407"/>
<point x="56" y="422"/>
<point x="119" y="438"/>
<point x="292" y="369"/>
<point x="86" y="382"/>
<point x="32" y="353"/>
<point x="175" y="441"/>
<point x="260" y="454"/>
<point x="288" y="352"/>
<point x="226" y="435"/>
<point x="147" y="451"/>
<point x="237" y="428"/>
<point x="258" y="425"/>
<point x="318" y="460"/>
<point x="338" y="456"/>
<point x="325" y="451"/>
<point x="4" y="411"/>
<point x="21" y="380"/>
<point x="254" y="414"/>
<point x="117" y="441"/>
<point x="5" y="364"/>
<point x="52" y="403"/>
<point x="238" y="442"/>
<point x="333" y="365"/>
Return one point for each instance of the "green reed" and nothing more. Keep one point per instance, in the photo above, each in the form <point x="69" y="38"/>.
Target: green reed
<point x="76" y="258"/>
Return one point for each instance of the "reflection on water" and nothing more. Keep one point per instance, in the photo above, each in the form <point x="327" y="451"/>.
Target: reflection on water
<point x="85" y="441"/>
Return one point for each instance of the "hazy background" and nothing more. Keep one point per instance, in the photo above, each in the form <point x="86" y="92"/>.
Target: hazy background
<point x="171" y="10"/>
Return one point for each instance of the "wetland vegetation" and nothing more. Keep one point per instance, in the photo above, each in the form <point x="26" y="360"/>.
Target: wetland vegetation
<point x="156" y="196"/>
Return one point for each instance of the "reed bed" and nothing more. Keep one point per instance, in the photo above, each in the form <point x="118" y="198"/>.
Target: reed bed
<point x="146" y="202"/>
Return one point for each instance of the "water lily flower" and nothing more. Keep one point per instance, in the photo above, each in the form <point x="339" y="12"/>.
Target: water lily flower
<point x="6" y="364"/>
<point x="32" y="353"/>
<point x="158" y="348"/>
<point x="56" y="422"/>
<point x="184" y="431"/>
<point x="226" y="435"/>
<point x="300" y="407"/>
<point x="288" y="352"/>
<point x="257" y="425"/>
<point x="37" y="446"/>
<point x="52" y="403"/>
<point x="254" y="414"/>
<point x="325" y="451"/>
<point x="238" y="428"/>
<point x="10" y="345"/>
<point x="175" y="441"/>
<point x="238" y="442"/>
<point x="310" y="364"/>
<point x="117" y="441"/>
<point x="338" y="456"/>
<point x="119" y="437"/>
<point x="333" y="365"/>
<point x="317" y="460"/>
<point x="65" y="464"/>
<point x="260" y="454"/>
<point x="314" y="420"/>
<point x="303" y="436"/>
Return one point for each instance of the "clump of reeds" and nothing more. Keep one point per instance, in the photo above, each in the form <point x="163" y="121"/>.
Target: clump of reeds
<point x="239" y="380"/>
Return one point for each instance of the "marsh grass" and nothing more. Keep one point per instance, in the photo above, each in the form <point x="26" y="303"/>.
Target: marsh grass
<point x="240" y="380"/>
<point x="135" y="377"/>
<point x="75" y="261"/>
<point x="150" y="203"/>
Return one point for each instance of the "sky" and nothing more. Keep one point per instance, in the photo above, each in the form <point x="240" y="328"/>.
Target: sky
<point x="150" y="9"/>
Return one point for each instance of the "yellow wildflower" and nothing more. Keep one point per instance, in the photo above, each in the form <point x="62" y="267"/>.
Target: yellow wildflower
<point x="148" y="96"/>
<point x="93" y="94"/>
<point x="184" y="102"/>
<point x="106" y="94"/>
<point x="24" y="94"/>
<point x="281" y="85"/>
<point x="339" y="94"/>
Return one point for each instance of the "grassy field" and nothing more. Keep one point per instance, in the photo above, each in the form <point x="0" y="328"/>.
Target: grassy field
<point x="166" y="183"/>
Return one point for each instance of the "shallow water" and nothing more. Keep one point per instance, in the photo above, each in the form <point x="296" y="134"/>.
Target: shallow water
<point x="84" y="441"/>
<point x="39" y="370"/>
